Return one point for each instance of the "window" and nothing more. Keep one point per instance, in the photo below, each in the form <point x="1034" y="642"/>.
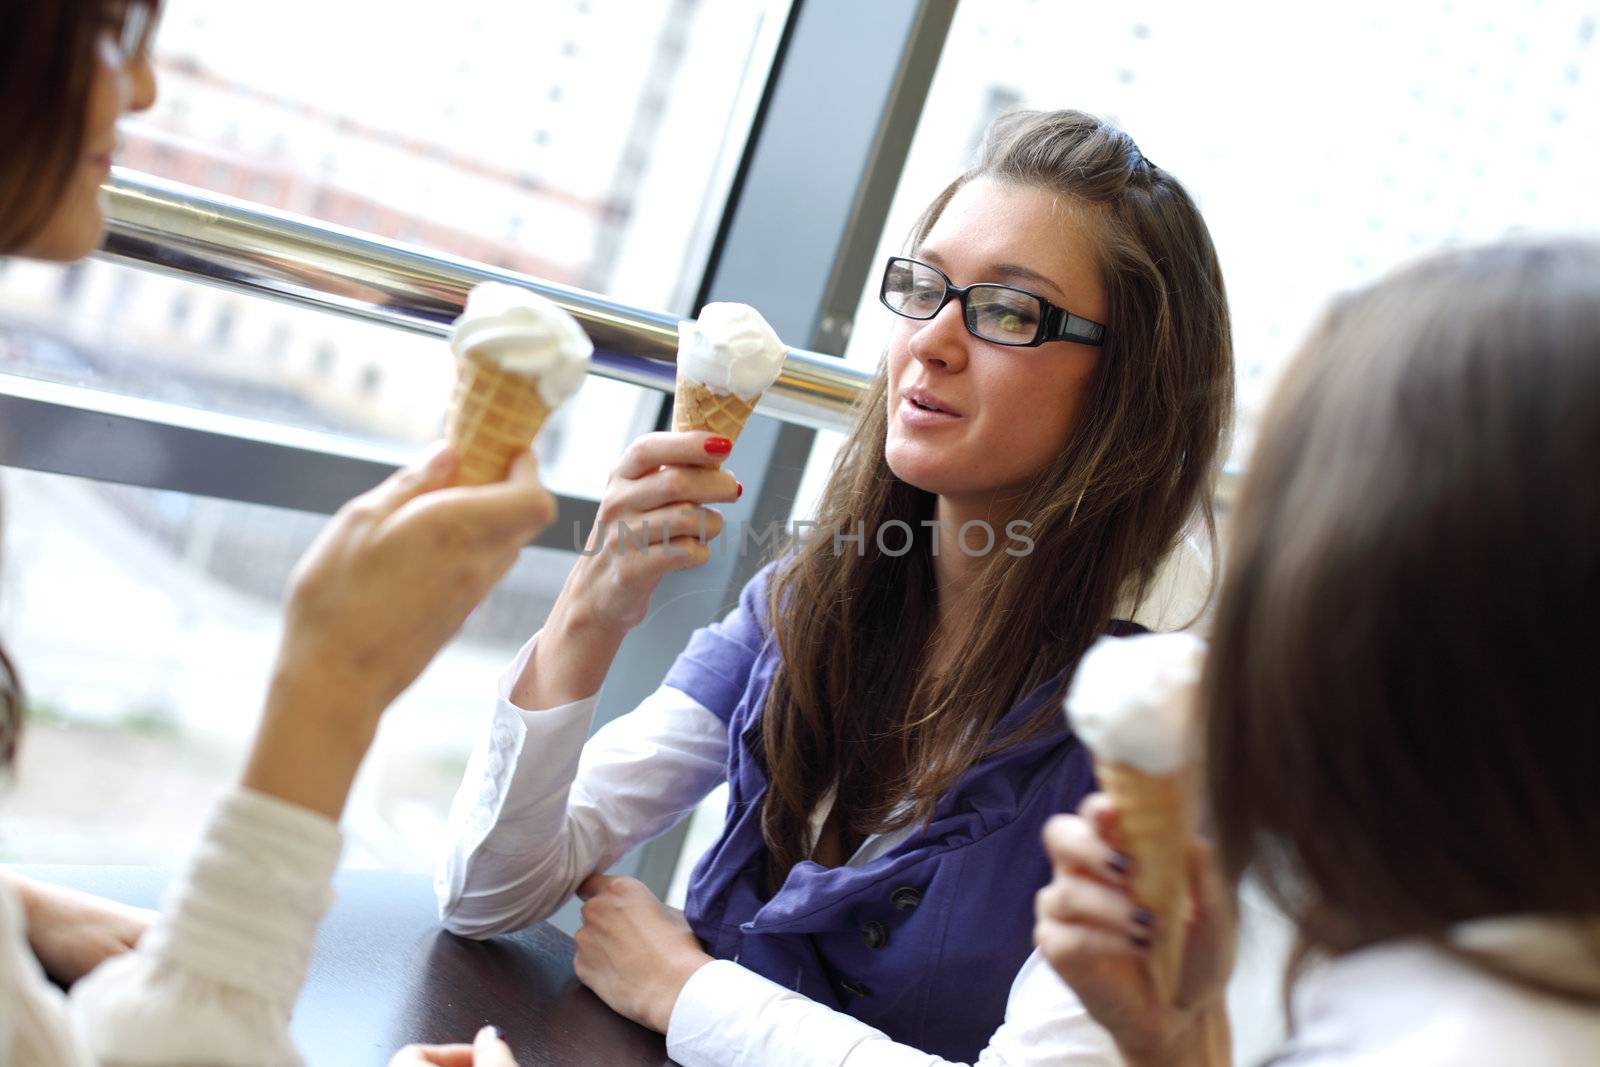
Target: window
<point x="144" y="623"/>
<point x="590" y="151"/>
<point x="580" y="150"/>
<point x="1323" y="150"/>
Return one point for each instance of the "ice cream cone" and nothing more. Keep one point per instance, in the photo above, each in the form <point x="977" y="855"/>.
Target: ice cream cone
<point x="494" y="416"/>
<point x="727" y="358"/>
<point x="697" y="406"/>
<point x="1153" y="814"/>
<point x="518" y="357"/>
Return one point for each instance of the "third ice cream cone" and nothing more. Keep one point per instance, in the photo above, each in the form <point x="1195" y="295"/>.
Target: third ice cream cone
<point x="1153" y="814"/>
<point x="1131" y="704"/>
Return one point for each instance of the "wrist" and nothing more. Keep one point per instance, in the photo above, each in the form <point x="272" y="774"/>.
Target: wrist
<point x="676" y="977"/>
<point x="576" y="619"/>
<point x="1187" y="1042"/>
<point x="574" y="652"/>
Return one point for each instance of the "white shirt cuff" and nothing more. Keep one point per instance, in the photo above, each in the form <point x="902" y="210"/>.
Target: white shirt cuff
<point x="727" y="1016"/>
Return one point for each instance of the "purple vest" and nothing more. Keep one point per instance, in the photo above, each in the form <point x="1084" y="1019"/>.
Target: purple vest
<point x="922" y="942"/>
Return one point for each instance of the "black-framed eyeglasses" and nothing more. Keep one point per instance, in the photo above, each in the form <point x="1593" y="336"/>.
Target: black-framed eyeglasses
<point x="1002" y="314"/>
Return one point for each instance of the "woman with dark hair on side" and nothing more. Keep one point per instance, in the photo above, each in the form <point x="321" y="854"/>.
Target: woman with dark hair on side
<point x="1400" y="715"/>
<point x="883" y="702"/>
<point x="213" y="979"/>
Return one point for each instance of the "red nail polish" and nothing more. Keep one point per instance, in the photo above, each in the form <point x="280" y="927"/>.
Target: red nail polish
<point x="738" y="490"/>
<point x="718" y="446"/>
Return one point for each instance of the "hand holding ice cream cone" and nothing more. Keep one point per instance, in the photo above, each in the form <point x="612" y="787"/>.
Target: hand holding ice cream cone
<point x="727" y="358"/>
<point x="518" y="357"/>
<point x="1131" y="704"/>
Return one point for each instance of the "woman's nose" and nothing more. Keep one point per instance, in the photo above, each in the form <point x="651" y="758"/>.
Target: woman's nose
<point x="142" y="75"/>
<point x="942" y="340"/>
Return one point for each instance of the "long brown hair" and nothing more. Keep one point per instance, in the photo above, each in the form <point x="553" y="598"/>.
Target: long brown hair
<point x="1401" y="728"/>
<point x="10" y="700"/>
<point x="853" y="706"/>
<point x="46" y="67"/>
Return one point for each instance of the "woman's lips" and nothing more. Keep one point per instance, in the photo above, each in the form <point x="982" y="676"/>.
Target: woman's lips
<point x="913" y="415"/>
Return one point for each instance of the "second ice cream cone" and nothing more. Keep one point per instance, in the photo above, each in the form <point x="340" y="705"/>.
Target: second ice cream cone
<point x="1153" y="813"/>
<point x="727" y="358"/>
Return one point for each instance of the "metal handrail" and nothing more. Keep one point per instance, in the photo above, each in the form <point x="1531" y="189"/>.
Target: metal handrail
<point x="177" y="229"/>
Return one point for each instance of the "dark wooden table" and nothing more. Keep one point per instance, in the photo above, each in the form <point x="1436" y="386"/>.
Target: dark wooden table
<point x="385" y="975"/>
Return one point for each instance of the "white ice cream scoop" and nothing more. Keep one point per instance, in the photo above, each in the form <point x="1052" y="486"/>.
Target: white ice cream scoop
<point x="730" y="349"/>
<point x="524" y="333"/>
<point x="1130" y="699"/>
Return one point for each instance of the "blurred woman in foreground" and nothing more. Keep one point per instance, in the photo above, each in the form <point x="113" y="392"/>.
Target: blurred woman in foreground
<point x="1400" y="698"/>
<point x="389" y="581"/>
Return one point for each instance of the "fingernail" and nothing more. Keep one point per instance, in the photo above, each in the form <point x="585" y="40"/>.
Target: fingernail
<point x="492" y="1031"/>
<point x="718" y="446"/>
<point x="1120" y="864"/>
<point x="1140" y="942"/>
<point x="1144" y="917"/>
<point x="738" y="490"/>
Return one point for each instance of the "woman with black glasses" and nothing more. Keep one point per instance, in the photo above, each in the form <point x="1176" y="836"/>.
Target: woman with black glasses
<point x="884" y="701"/>
<point x="391" y="578"/>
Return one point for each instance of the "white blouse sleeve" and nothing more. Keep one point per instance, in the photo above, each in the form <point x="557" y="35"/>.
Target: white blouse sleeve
<point x="728" y="1016"/>
<point x="213" y="981"/>
<point x="539" y="810"/>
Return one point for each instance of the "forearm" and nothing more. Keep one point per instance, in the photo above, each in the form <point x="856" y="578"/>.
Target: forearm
<point x="538" y="810"/>
<point x="1205" y="1042"/>
<point x="214" y="980"/>
<point x="313" y="736"/>
<point x="571" y="660"/>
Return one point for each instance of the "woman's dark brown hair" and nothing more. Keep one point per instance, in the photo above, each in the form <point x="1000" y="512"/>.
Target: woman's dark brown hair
<point x="10" y="702"/>
<point x="46" y="66"/>
<point x="1402" y="727"/>
<point x="854" y="706"/>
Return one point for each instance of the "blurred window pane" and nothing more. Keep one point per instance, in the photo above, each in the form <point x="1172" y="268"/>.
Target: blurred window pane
<point x="1325" y="147"/>
<point x="587" y="143"/>
<point x="144" y="623"/>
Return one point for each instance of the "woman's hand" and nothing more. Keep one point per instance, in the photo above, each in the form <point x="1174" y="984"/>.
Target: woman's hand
<point x="1089" y="930"/>
<point x="72" y="933"/>
<point x="651" y="521"/>
<point x="399" y="568"/>
<point x="486" y="1050"/>
<point x="388" y="582"/>
<point x="636" y="953"/>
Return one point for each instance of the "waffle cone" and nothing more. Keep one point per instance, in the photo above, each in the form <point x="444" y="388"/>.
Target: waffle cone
<point x="1153" y="813"/>
<point x="494" y="416"/>
<point x="696" y="406"/>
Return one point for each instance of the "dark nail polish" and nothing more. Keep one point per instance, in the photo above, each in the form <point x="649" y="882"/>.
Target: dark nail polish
<point x="738" y="490"/>
<point x="1141" y="943"/>
<point x="1144" y="917"/>
<point x="1120" y="865"/>
<point x="718" y="446"/>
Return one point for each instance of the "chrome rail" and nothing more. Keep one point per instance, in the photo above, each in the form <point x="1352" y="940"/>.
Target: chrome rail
<point x="177" y="229"/>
